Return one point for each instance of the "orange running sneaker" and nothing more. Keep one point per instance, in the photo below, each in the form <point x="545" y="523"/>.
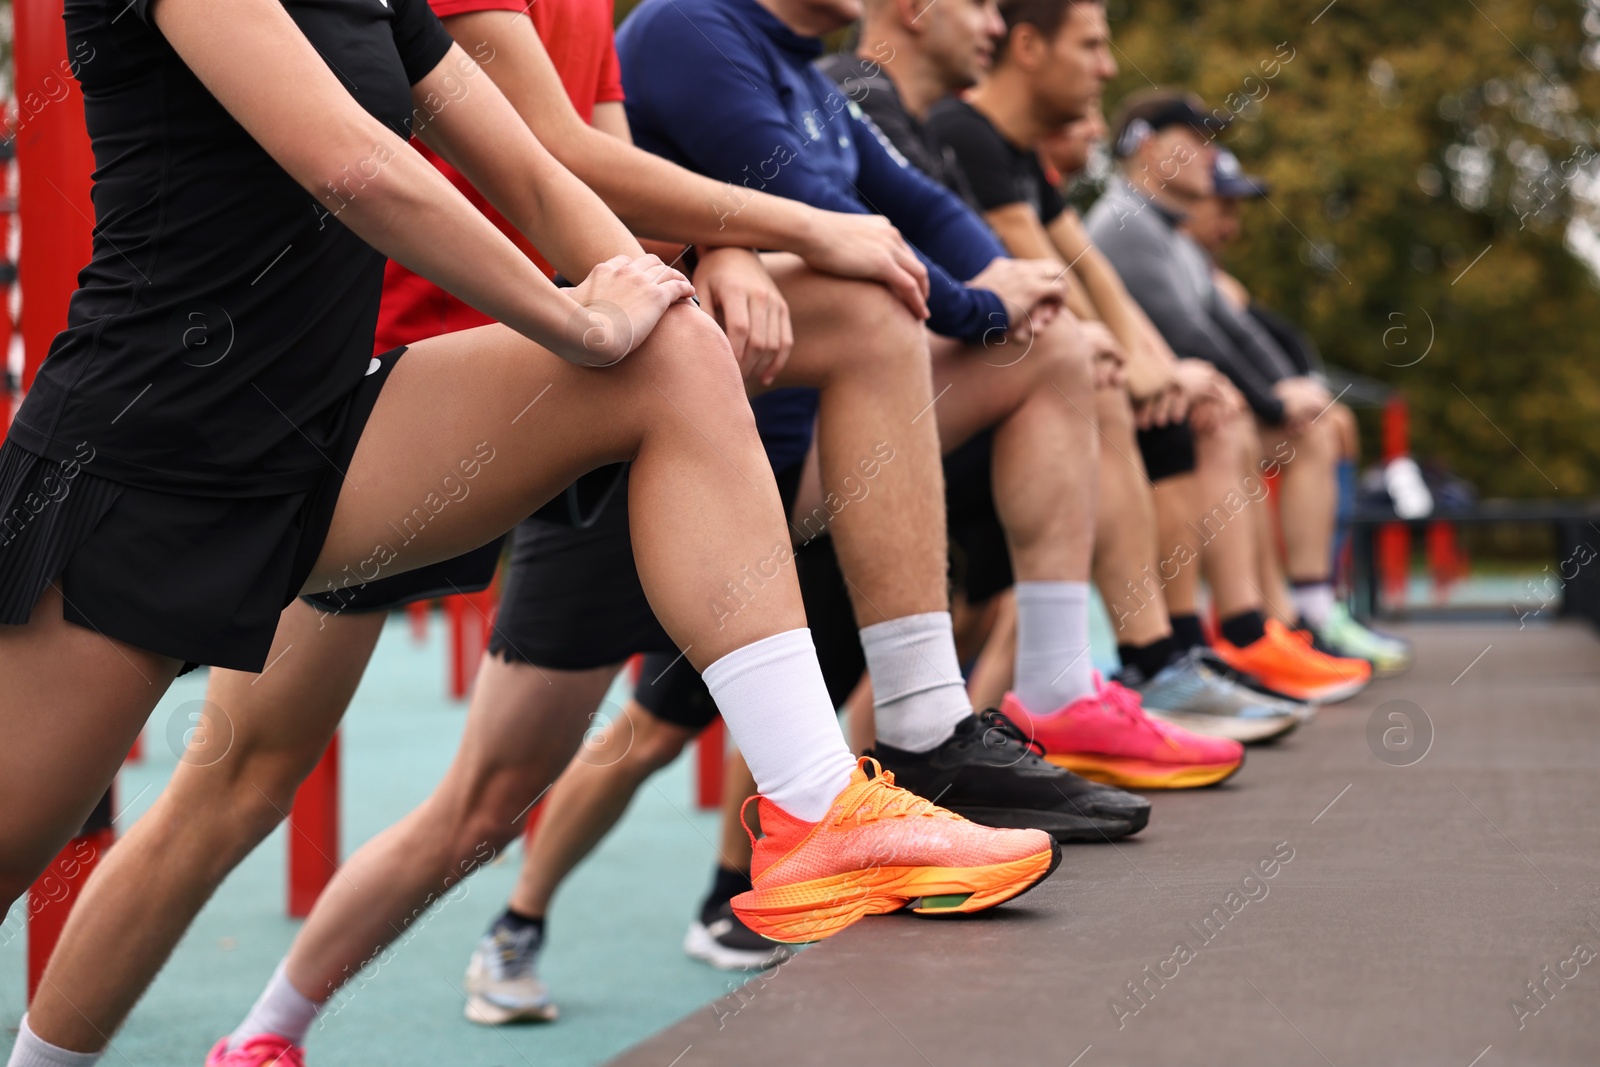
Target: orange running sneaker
<point x="878" y="849"/>
<point x="1284" y="660"/>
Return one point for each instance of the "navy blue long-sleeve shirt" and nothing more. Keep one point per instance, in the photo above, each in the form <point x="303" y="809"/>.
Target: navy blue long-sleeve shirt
<point x="724" y="88"/>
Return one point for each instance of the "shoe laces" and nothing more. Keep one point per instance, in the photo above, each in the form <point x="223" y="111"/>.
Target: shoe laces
<point x="1126" y="703"/>
<point x="880" y="798"/>
<point x="511" y="955"/>
<point x="1005" y="732"/>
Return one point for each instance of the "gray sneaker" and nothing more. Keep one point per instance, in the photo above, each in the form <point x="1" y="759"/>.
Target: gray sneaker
<point x="1187" y="693"/>
<point x="502" y="984"/>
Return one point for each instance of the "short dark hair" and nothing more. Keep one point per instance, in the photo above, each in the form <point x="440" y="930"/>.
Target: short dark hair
<point x="1046" y="16"/>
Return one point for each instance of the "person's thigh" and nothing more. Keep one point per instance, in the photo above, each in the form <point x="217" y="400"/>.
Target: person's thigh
<point x="978" y="386"/>
<point x="841" y="324"/>
<point x="72" y="704"/>
<point x="474" y="430"/>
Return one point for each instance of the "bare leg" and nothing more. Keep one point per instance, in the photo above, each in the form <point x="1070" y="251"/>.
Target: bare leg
<point x="1232" y="543"/>
<point x="72" y="703"/>
<point x="737" y="787"/>
<point x="1177" y="500"/>
<point x="1125" y="556"/>
<point x="1308" y="497"/>
<point x="863" y="717"/>
<point x="522" y="729"/>
<point x="586" y="802"/>
<point x="1045" y="444"/>
<point x="991" y="674"/>
<point x="868" y="356"/>
<point x="209" y="818"/>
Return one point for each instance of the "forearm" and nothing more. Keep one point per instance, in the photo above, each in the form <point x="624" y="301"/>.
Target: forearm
<point x="659" y="199"/>
<point x="413" y="215"/>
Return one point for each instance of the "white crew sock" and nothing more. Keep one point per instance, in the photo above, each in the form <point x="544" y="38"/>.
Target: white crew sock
<point x="1053" y="664"/>
<point x="31" y="1050"/>
<point x="1313" y="600"/>
<point x="281" y="1009"/>
<point x="775" y="704"/>
<point x="918" y="695"/>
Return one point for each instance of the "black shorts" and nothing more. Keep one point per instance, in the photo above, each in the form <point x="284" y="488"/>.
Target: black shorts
<point x="470" y="572"/>
<point x="1168" y="451"/>
<point x="572" y="599"/>
<point x="201" y="579"/>
<point x="671" y="689"/>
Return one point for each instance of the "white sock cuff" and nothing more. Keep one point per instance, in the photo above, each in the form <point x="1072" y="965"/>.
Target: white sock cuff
<point x="910" y="655"/>
<point x="775" y="703"/>
<point x="1070" y="594"/>
<point x="757" y="656"/>
<point x="31" y="1050"/>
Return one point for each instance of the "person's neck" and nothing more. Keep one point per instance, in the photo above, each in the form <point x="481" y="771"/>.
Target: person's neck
<point x="1159" y="193"/>
<point x="796" y="15"/>
<point x="917" y="80"/>
<point x="1004" y="100"/>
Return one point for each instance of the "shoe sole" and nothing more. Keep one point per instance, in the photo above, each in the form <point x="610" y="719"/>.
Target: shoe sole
<point x="803" y="912"/>
<point x="1066" y="828"/>
<point x="1245" y="731"/>
<point x="1129" y="773"/>
<point x="487" y="1013"/>
<point x="1331" y="693"/>
<point x="700" y="945"/>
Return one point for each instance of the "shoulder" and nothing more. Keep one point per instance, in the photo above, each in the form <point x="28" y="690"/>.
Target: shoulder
<point x="956" y="120"/>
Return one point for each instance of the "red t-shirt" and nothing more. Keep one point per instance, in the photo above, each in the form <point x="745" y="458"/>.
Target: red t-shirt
<point x="578" y="36"/>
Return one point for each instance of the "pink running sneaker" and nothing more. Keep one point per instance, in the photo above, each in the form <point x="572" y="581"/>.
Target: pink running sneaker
<point x="263" y="1050"/>
<point x="1107" y="737"/>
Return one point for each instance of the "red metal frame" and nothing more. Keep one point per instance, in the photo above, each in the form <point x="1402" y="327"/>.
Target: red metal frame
<point x="710" y="753"/>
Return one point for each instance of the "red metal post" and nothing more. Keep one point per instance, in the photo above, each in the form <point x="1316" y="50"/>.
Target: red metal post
<point x="710" y="754"/>
<point x="418" y="611"/>
<point x="314" y="833"/>
<point x="54" y="164"/>
<point x="1394" y="539"/>
<point x="52" y="896"/>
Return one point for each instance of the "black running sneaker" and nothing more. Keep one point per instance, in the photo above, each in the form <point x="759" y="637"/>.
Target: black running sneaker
<point x="720" y="939"/>
<point x="990" y="772"/>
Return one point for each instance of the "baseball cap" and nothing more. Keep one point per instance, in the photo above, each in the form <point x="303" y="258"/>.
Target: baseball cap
<point x="1143" y="113"/>
<point x="1229" y="179"/>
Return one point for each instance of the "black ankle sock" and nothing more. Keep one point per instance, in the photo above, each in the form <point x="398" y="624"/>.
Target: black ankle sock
<point x="1187" y="632"/>
<point x="1148" y="659"/>
<point x="514" y="922"/>
<point x="1245" y="628"/>
<point x="727" y="884"/>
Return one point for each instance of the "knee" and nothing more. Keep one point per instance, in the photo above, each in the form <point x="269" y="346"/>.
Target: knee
<point x="688" y="359"/>
<point x="1062" y="358"/>
<point x="1114" y="414"/>
<point x="884" y="339"/>
<point x="655" y="744"/>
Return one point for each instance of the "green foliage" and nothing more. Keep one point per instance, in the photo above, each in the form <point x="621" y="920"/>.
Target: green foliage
<point x="1401" y="141"/>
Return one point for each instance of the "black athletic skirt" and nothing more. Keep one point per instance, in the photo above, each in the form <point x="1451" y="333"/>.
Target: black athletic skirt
<point x="198" y="578"/>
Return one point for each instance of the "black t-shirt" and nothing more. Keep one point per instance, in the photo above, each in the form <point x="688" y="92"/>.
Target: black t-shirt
<point x="225" y="313"/>
<point x="999" y="171"/>
<point x="913" y="142"/>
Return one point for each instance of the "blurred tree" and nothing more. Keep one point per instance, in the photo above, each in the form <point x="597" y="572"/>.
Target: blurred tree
<point x="1434" y="219"/>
